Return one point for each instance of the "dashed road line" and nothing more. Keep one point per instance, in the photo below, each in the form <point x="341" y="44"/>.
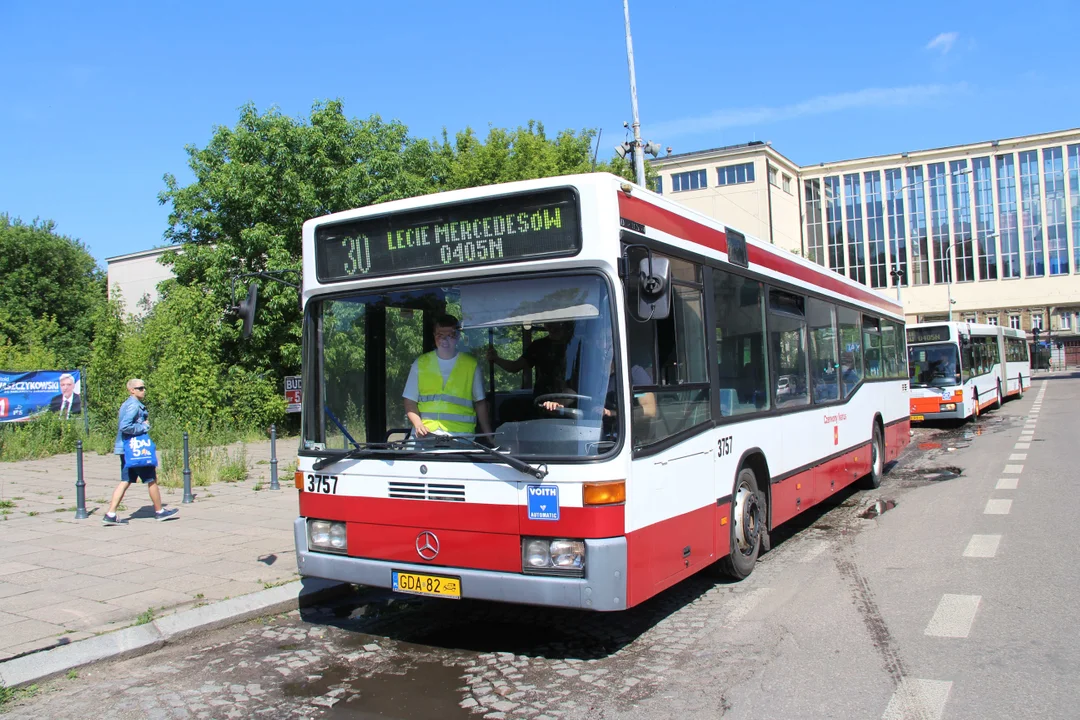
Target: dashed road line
<point x="997" y="507"/>
<point x="1013" y="469"/>
<point x="954" y="616"/>
<point x="1022" y="446"/>
<point x="982" y="546"/>
<point x="1007" y="484"/>
<point x="917" y="698"/>
<point x="1018" y="456"/>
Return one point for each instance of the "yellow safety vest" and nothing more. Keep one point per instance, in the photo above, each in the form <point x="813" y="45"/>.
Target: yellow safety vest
<point x="446" y="407"/>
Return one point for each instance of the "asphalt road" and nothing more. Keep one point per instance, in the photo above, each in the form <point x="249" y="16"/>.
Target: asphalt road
<point x="958" y="601"/>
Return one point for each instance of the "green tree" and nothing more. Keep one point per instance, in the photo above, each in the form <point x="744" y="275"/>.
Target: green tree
<point x="49" y="296"/>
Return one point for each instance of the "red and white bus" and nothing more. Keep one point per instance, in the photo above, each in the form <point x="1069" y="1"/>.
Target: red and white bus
<point x="960" y="369"/>
<point x="663" y="392"/>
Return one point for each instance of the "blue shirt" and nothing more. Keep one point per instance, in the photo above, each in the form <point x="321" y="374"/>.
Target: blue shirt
<point x="132" y="421"/>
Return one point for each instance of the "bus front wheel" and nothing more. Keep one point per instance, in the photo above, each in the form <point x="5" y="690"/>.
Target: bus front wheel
<point x="877" y="460"/>
<point x="747" y="526"/>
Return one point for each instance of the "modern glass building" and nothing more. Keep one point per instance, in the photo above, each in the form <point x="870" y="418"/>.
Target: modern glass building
<point x="988" y="231"/>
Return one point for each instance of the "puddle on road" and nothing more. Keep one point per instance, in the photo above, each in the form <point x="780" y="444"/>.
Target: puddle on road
<point x="879" y="508"/>
<point x="424" y="690"/>
<point x="940" y="474"/>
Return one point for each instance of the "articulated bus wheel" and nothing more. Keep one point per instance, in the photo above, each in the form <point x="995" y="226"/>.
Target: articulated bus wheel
<point x="997" y="398"/>
<point x="1020" y="380"/>
<point x="877" y="460"/>
<point x="747" y="526"/>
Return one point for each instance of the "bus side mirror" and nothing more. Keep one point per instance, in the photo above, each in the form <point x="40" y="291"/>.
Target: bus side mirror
<point x="246" y="309"/>
<point x="654" y="285"/>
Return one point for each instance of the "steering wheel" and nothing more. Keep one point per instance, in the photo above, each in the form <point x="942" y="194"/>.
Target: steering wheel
<point x="565" y="412"/>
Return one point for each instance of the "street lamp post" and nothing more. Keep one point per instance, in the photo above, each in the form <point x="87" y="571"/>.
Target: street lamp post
<point x="636" y="146"/>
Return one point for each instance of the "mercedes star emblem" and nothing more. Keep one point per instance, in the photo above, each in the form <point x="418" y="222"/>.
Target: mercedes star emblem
<point x="427" y="545"/>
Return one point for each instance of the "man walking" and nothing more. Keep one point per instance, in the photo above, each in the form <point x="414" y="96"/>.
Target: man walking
<point x="134" y="420"/>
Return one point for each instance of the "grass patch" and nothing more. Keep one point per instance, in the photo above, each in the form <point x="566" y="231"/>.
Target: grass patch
<point x="145" y="617"/>
<point x="7" y="503"/>
<point x="236" y="468"/>
<point x="32" y="513"/>
<point x="72" y="674"/>
<point x="12" y="694"/>
<point x="257" y="486"/>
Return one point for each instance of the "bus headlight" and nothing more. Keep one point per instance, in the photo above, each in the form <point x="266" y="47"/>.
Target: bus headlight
<point x="559" y="556"/>
<point x="327" y="536"/>
<point x="948" y="406"/>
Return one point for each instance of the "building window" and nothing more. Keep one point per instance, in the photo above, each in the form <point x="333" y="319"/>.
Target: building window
<point x="894" y="183"/>
<point x="920" y="244"/>
<point x="814" y="236"/>
<point x="735" y="174"/>
<point x="1074" y="201"/>
<point x="1057" y="242"/>
<point x="853" y="204"/>
<point x="984" y="218"/>
<point x="1031" y="214"/>
<point x="939" y="222"/>
<point x="1036" y="321"/>
<point x="991" y="319"/>
<point x="963" y="255"/>
<point x="875" y="228"/>
<point x="971" y="318"/>
<point x="1014" y="322"/>
<point x="692" y="180"/>
<point x="1065" y="322"/>
<point x="1009" y="235"/>
<point x="773" y="177"/>
<point x="658" y="185"/>
<point x="834" y="225"/>
<point x="787" y="184"/>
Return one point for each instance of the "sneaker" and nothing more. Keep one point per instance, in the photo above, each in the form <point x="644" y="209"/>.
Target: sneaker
<point x="166" y="514"/>
<point x="110" y="520"/>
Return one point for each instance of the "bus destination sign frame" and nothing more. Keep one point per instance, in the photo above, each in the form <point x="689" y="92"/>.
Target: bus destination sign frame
<point x="937" y="333"/>
<point x="509" y="228"/>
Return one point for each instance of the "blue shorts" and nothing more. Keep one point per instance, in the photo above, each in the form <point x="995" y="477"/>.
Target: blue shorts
<point x="146" y="474"/>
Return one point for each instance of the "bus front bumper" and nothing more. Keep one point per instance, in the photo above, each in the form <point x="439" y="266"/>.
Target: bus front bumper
<point x="603" y="588"/>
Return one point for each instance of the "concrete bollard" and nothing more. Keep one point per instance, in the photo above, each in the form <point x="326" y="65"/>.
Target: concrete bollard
<point x="80" y="484"/>
<point x="188" y="497"/>
<point x="273" y="459"/>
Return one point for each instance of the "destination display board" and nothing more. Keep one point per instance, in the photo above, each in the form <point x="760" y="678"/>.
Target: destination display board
<point x="935" y="333"/>
<point x="509" y="228"/>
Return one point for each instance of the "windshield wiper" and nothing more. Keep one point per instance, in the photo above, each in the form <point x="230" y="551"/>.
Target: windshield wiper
<point x="539" y="472"/>
<point x="360" y="450"/>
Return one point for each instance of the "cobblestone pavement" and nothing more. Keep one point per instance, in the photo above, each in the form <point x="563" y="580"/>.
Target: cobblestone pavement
<point x="381" y="655"/>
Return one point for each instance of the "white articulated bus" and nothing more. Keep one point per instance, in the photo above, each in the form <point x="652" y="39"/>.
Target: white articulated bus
<point x="960" y="369"/>
<point x="660" y="392"/>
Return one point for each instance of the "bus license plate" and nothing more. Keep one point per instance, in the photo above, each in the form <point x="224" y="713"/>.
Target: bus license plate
<point x="917" y="418"/>
<point x="437" y="585"/>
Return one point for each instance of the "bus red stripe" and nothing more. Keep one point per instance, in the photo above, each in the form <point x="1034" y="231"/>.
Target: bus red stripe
<point x="675" y="224"/>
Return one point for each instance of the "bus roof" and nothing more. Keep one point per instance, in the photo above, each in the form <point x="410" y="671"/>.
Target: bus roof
<point x="653" y="216"/>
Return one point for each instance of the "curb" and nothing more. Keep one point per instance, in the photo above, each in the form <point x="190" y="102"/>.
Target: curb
<point x="141" y="639"/>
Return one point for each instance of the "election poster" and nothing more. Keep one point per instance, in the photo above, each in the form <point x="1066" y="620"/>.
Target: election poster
<point x="24" y="395"/>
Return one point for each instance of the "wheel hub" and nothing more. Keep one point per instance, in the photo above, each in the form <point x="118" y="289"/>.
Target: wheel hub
<point x="747" y="520"/>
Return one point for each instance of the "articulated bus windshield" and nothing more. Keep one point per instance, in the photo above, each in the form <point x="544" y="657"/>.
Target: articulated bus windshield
<point x="936" y="365"/>
<point x="533" y="360"/>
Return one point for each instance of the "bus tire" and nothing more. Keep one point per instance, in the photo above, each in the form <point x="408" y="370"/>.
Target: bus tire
<point x="1020" y="393"/>
<point x="975" y="412"/>
<point x="747" y="526"/>
<point x="997" y="399"/>
<point x="877" y="460"/>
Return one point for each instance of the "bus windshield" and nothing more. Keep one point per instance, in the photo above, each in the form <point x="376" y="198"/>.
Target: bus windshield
<point x="934" y="365"/>
<point x="543" y="351"/>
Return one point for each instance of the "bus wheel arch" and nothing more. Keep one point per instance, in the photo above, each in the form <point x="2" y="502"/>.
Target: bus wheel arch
<point x="998" y="398"/>
<point x="750" y="516"/>
<point x="1020" y="380"/>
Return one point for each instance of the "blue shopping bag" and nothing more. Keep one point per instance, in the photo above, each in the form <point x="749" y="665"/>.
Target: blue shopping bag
<point x="140" y="451"/>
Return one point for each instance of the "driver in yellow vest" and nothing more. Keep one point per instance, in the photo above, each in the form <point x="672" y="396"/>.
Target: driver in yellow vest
<point x="444" y="390"/>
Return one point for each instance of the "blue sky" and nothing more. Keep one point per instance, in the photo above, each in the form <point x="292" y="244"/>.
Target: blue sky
<point x="99" y="99"/>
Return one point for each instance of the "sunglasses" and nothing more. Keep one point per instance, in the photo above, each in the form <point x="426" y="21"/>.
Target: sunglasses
<point x="140" y="387"/>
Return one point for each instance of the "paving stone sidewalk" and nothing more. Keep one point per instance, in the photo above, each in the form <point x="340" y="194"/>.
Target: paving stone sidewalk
<point x="63" y="580"/>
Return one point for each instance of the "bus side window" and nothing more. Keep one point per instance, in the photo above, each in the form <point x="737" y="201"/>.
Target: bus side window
<point x="872" y="347"/>
<point x="740" y="344"/>
<point x="824" y="365"/>
<point x="851" y="352"/>
<point x="788" y="348"/>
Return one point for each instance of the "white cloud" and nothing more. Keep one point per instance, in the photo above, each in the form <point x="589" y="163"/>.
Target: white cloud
<point x="820" y="105"/>
<point x="943" y="42"/>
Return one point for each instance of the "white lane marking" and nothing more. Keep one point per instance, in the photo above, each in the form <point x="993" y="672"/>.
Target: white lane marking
<point x="1018" y="456"/>
<point x="997" y="507"/>
<point x="982" y="546"/>
<point x="917" y="698"/>
<point x="1013" y="469"/>
<point x="1007" y="483"/>
<point x="954" y="616"/>
<point x="1022" y="446"/>
<point x="745" y="604"/>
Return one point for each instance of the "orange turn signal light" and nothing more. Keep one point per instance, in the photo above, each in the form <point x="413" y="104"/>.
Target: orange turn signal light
<point x="604" y="493"/>
<point x="298" y="479"/>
